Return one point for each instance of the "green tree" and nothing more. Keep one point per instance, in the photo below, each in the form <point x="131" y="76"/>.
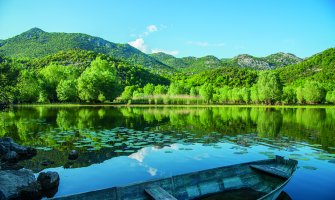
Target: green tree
<point x="254" y="94"/>
<point x="27" y="87"/>
<point x="289" y="95"/>
<point x="236" y="96"/>
<point x="98" y="79"/>
<point x="269" y="87"/>
<point x="245" y="93"/>
<point x="176" y="88"/>
<point x="160" y="89"/>
<point x="314" y="92"/>
<point x="51" y="75"/>
<point x="67" y="90"/>
<point x="330" y="97"/>
<point x="300" y="95"/>
<point x="194" y="91"/>
<point x="127" y="93"/>
<point x="206" y="92"/>
<point x="149" y="89"/>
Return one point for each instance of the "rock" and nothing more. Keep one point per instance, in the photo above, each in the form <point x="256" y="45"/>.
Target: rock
<point x="48" y="180"/>
<point x="11" y="156"/>
<point x="47" y="162"/>
<point x="7" y="144"/>
<point x="3" y="150"/>
<point x="19" y="184"/>
<point x="6" y="141"/>
<point x="73" y="155"/>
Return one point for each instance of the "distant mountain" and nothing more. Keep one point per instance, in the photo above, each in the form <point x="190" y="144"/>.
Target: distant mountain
<point x="269" y="62"/>
<point x="188" y="64"/>
<point x="319" y="67"/>
<point x="193" y="64"/>
<point x="38" y="43"/>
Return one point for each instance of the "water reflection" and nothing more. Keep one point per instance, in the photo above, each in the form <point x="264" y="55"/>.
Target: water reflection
<point x="127" y="144"/>
<point x="49" y="126"/>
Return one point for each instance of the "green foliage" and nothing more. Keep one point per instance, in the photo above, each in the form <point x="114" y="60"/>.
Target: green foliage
<point x="27" y="87"/>
<point x="177" y="88"/>
<point x="330" y="97"/>
<point x="269" y="87"/>
<point x="300" y="95"/>
<point x="206" y="92"/>
<point x="313" y="92"/>
<point x="149" y="89"/>
<point x="289" y="95"/>
<point x="67" y="90"/>
<point x="36" y="43"/>
<point x="50" y="77"/>
<point x="127" y="93"/>
<point x="194" y="91"/>
<point x="227" y="76"/>
<point x="319" y="67"/>
<point x="254" y="96"/>
<point x="99" y="80"/>
<point x="160" y="89"/>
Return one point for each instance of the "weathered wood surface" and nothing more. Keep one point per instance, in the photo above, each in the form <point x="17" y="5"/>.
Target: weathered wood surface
<point x="272" y="170"/>
<point x="159" y="193"/>
<point x="257" y="175"/>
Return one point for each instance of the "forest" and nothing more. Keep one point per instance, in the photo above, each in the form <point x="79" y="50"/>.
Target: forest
<point x="88" y="74"/>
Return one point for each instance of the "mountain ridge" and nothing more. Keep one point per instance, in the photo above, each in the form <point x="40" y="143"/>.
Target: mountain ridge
<point x="38" y="43"/>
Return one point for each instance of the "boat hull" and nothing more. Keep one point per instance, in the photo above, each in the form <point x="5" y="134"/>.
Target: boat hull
<point x="264" y="178"/>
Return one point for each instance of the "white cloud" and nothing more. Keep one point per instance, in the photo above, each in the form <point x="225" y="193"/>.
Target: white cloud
<point x="173" y="52"/>
<point x="152" y="28"/>
<point x="139" y="44"/>
<point x="205" y="44"/>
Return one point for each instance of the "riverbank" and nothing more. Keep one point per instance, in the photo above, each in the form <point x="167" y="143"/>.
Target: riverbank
<point x="173" y="105"/>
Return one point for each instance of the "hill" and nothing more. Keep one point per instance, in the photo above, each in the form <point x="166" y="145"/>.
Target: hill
<point x="196" y="65"/>
<point x="272" y="61"/>
<point x="36" y="43"/>
<point x="319" y="67"/>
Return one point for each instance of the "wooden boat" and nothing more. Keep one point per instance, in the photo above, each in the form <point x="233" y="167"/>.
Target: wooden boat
<point x="263" y="179"/>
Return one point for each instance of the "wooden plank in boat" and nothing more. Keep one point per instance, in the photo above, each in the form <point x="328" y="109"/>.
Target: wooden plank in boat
<point x="271" y="170"/>
<point x="159" y="193"/>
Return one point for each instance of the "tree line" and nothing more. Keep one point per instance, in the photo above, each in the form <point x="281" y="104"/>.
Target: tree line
<point x="267" y="90"/>
<point x="89" y="77"/>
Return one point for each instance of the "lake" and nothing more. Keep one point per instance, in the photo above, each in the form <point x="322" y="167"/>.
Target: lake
<point x="121" y="145"/>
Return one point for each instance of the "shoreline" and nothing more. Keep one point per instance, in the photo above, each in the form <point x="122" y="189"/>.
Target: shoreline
<point x="173" y="105"/>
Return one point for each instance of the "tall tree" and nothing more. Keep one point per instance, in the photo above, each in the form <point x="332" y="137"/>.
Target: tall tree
<point x="269" y="87"/>
<point x="314" y="92"/>
<point x="98" y="80"/>
<point x="206" y="92"/>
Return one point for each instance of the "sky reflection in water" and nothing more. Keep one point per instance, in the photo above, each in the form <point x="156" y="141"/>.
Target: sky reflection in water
<point x="160" y="142"/>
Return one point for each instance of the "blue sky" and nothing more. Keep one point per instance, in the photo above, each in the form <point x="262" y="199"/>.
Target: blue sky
<point x="184" y="27"/>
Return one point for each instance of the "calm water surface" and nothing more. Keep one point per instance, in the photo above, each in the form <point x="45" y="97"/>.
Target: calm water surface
<point x="129" y="144"/>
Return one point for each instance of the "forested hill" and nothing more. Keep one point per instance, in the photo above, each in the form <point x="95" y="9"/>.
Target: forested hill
<point x="319" y="67"/>
<point x="36" y="43"/>
<point x="42" y="67"/>
<point x="195" y="65"/>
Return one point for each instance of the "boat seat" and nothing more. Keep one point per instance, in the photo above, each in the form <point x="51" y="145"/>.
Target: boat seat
<point x="271" y="170"/>
<point x="159" y="193"/>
